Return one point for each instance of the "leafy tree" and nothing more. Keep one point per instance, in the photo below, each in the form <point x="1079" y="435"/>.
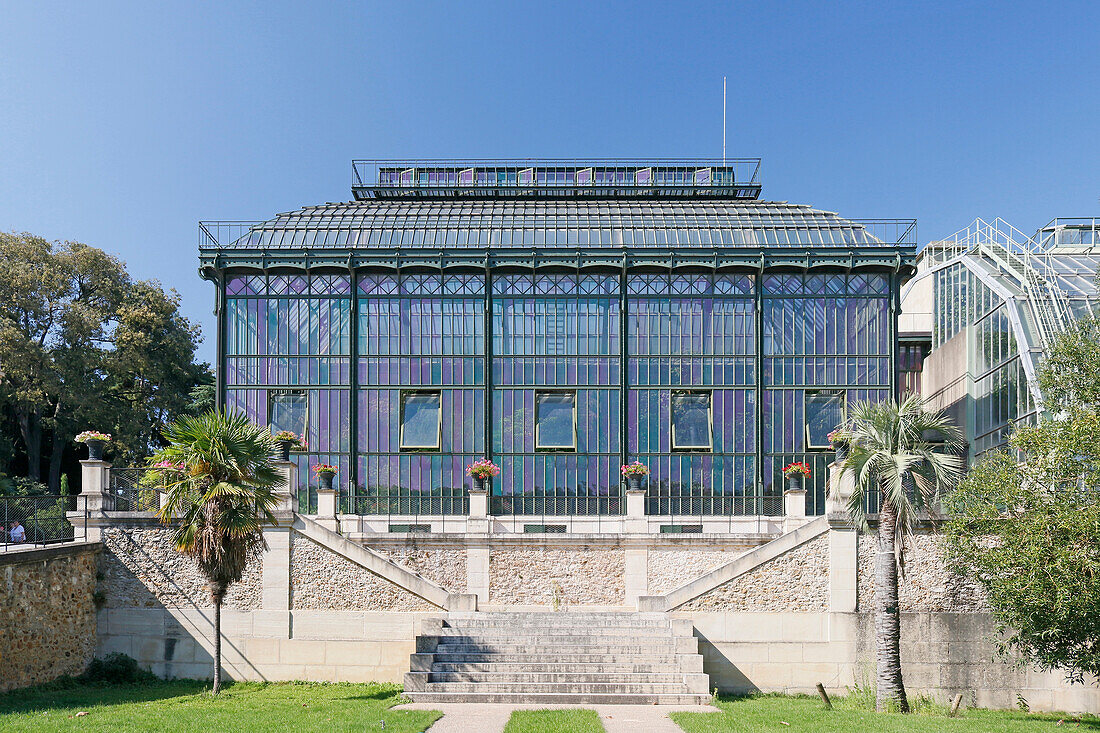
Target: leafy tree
<point x="1029" y="530"/>
<point x="220" y="495"/>
<point x="1070" y="376"/>
<point x="82" y="345"/>
<point x="891" y="455"/>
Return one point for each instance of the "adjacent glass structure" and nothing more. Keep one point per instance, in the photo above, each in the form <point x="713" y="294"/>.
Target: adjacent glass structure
<point x="560" y="318"/>
<point x="999" y="298"/>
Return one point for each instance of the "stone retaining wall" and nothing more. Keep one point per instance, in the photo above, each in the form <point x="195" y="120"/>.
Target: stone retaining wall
<point x="928" y="585"/>
<point x="47" y="613"/>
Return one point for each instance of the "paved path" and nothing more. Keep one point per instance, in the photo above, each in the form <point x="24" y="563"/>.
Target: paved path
<point x="491" y="718"/>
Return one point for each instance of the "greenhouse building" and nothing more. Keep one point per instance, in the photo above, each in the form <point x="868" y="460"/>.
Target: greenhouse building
<point x="560" y="318"/>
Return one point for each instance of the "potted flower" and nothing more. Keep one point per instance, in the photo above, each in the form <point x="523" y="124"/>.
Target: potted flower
<point x="841" y="440"/>
<point x="287" y="441"/>
<point x="795" y="473"/>
<point x="324" y="473"/>
<point x="481" y="471"/>
<point x="634" y="473"/>
<point x="95" y="441"/>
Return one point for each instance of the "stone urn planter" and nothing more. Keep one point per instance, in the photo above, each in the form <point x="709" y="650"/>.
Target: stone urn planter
<point x="326" y="479"/>
<point x="282" y="449"/>
<point x="481" y="483"/>
<point x="95" y="449"/>
<point x="795" y="474"/>
<point x="481" y="471"/>
<point x="324" y="473"/>
<point x="634" y="483"/>
<point x="635" y="474"/>
<point x="96" y="442"/>
<point x="794" y="483"/>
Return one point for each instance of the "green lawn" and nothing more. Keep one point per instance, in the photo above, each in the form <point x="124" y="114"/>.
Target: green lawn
<point x="770" y="712"/>
<point x="187" y="706"/>
<point x="554" y="721"/>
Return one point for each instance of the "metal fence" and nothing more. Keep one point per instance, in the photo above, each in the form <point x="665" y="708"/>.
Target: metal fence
<point x="557" y="506"/>
<point x="30" y="521"/>
<point x="663" y="503"/>
<point x="135" y="489"/>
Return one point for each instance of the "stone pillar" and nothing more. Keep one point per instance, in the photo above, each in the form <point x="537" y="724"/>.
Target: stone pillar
<point x="636" y="574"/>
<point x="794" y="509"/>
<point x="635" y="519"/>
<point x="273" y="618"/>
<point x="94" y="499"/>
<point x="326" y="509"/>
<point x="477" y="521"/>
<point x="843" y="543"/>
<point x="477" y="573"/>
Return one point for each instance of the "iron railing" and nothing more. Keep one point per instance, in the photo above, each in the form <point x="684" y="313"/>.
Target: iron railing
<point x="406" y="503"/>
<point x="134" y="489"/>
<point x="665" y="503"/>
<point x="43" y="519"/>
<point x="557" y="506"/>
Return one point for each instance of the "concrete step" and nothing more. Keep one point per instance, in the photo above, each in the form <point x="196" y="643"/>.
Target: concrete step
<point x="497" y="677"/>
<point x="534" y="688"/>
<point x="543" y="648"/>
<point x="557" y="658"/>
<point x="559" y="667"/>
<point x="647" y="632"/>
<point x="553" y="698"/>
<point x="541" y="639"/>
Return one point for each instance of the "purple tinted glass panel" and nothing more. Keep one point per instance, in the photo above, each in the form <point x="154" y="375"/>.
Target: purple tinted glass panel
<point x="691" y="326"/>
<point x="591" y="370"/>
<point x="557" y="327"/>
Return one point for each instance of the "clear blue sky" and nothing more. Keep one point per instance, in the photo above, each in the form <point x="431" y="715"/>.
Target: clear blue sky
<point x="122" y="125"/>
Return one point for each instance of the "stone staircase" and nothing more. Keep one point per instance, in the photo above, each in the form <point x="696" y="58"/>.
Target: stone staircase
<point x="558" y="657"/>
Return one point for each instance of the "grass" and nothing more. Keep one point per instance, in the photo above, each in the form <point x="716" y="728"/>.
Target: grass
<point x="555" y="721"/>
<point x="759" y="713"/>
<point x="186" y="705"/>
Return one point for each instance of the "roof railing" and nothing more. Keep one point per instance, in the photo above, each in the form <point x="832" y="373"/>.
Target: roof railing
<point x="731" y="177"/>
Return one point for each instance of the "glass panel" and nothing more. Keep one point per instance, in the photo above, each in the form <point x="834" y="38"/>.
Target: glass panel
<point x="420" y="420"/>
<point x="691" y="421"/>
<point x="288" y="412"/>
<point x="555" y="426"/>
<point x="824" y="411"/>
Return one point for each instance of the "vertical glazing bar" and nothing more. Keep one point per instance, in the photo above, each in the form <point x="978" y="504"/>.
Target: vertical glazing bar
<point x="488" y="370"/>
<point x="758" y="500"/>
<point x="353" y="388"/>
<point x="624" y="356"/>
<point x="219" y="313"/>
<point x="892" y="331"/>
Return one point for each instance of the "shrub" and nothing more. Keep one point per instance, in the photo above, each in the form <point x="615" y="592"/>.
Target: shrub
<point x="117" y="669"/>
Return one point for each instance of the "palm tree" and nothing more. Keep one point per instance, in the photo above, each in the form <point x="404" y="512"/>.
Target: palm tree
<point x="220" y="482"/>
<point x="891" y="452"/>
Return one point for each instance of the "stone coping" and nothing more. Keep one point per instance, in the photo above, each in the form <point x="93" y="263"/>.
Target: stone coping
<point x="578" y="541"/>
<point x="38" y="553"/>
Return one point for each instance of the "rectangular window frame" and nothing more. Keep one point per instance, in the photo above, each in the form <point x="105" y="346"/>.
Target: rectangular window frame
<point x="438" y="447"/>
<point x="555" y="449"/>
<point x="810" y="445"/>
<point x="272" y="394"/>
<point x="709" y="447"/>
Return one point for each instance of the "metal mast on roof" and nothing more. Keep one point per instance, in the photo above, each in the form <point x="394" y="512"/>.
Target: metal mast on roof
<point x="723" y="120"/>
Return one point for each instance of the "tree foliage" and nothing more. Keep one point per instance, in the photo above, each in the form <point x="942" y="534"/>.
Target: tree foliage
<point x="83" y="345"/>
<point x="1029" y="533"/>
<point x="1026" y="521"/>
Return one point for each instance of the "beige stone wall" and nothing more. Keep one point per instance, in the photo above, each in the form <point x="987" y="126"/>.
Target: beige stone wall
<point x="47" y="614"/>
<point x="928" y="584"/>
<point x="795" y="581"/>
<point x="670" y="569"/>
<point x="320" y="579"/>
<point x="582" y="577"/>
<point x="942" y="654"/>
<point x="142" y="569"/>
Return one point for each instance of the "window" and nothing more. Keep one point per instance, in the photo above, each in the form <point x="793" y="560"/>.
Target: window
<point x="420" y="421"/>
<point x="288" y="410"/>
<point x="555" y="421"/>
<point x="691" y="421"/>
<point x="824" y="411"/>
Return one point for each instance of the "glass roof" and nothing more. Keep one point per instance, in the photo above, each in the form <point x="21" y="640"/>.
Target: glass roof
<point x="577" y="222"/>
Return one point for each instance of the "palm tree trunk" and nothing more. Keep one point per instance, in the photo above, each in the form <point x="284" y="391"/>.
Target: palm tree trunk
<point x="891" y="689"/>
<point x="217" y="645"/>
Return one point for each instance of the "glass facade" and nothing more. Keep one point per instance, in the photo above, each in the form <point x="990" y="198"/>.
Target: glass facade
<point x="714" y="341"/>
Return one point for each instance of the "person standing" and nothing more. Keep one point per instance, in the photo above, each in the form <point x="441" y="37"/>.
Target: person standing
<point x="17" y="535"/>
